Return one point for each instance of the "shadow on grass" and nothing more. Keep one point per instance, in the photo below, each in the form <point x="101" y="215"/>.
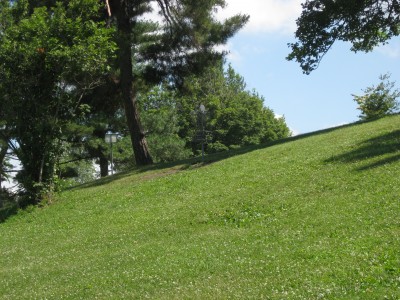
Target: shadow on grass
<point x="177" y="166"/>
<point x="387" y="144"/>
<point x="8" y="204"/>
<point x="7" y="211"/>
<point x="371" y="148"/>
<point x="197" y="162"/>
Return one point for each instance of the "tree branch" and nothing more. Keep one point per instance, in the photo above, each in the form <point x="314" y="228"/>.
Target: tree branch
<point x="108" y="8"/>
<point x="166" y="9"/>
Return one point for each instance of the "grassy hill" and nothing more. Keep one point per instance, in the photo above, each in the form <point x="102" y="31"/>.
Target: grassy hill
<point x="313" y="217"/>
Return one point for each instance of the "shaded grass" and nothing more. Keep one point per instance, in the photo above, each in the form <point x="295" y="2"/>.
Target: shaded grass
<point x="312" y="218"/>
<point x="7" y="211"/>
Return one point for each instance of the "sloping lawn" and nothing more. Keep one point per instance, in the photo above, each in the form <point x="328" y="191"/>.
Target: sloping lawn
<point x="313" y="217"/>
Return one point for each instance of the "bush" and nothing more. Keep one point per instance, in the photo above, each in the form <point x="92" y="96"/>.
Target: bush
<point x="379" y="100"/>
<point x="216" y="147"/>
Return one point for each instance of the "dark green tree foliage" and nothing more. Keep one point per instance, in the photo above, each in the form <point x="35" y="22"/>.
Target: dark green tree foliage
<point x="3" y="161"/>
<point x="49" y="59"/>
<point x="105" y="114"/>
<point x="72" y="169"/>
<point x="160" y="122"/>
<point x="235" y="116"/>
<point x="379" y="100"/>
<point x="159" y="115"/>
<point x="5" y="16"/>
<point x="84" y="143"/>
<point x="365" y="24"/>
<point x="182" y="45"/>
<point x="186" y="44"/>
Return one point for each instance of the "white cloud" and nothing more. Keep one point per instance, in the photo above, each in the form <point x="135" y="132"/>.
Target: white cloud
<point x="294" y="131"/>
<point x="392" y="50"/>
<point x="233" y="55"/>
<point x="265" y="15"/>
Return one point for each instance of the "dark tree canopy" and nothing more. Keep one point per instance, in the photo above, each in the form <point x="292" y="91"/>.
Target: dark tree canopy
<point x="181" y="45"/>
<point x="49" y="60"/>
<point x="58" y="56"/>
<point x="363" y="23"/>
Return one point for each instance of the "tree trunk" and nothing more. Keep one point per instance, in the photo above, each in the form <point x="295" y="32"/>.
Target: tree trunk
<point x="103" y="166"/>
<point x="139" y="144"/>
<point x="3" y="153"/>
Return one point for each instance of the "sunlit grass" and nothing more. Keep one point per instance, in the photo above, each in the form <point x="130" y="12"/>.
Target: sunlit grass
<point x="315" y="217"/>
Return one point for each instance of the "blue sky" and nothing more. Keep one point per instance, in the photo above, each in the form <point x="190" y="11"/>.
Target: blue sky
<point x="308" y="102"/>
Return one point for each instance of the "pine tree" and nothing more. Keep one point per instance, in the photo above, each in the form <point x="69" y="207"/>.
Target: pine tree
<point x="183" y="44"/>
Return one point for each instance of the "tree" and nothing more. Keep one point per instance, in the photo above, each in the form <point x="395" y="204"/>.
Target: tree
<point x="379" y="100"/>
<point x="235" y="116"/>
<point x="160" y="114"/>
<point x="87" y="134"/>
<point x="365" y="24"/>
<point x="125" y="13"/>
<point x="3" y="163"/>
<point x="182" y="44"/>
<point x="49" y="59"/>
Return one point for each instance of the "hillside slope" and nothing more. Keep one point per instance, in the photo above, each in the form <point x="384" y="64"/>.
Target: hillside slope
<point x="313" y="217"/>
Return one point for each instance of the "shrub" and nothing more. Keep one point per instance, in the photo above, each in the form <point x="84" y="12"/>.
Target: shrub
<point x="379" y="100"/>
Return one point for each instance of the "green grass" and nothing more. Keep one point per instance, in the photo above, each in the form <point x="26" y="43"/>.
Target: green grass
<point x="312" y="217"/>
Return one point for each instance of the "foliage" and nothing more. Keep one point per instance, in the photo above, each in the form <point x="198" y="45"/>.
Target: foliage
<point x="4" y="164"/>
<point x="55" y="54"/>
<point x="183" y="43"/>
<point x="160" y="121"/>
<point x="88" y="143"/>
<point x="235" y="116"/>
<point x="74" y="167"/>
<point x="50" y="58"/>
<point x="106" y="114"/>
<point x="314" y="217"/>
<point x="159" y="116"/>
<point x="379" y="100"/>
<point x="365" y="24"/>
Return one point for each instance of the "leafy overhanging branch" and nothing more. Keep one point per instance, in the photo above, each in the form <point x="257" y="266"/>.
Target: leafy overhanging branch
<point x="365" y="24"/>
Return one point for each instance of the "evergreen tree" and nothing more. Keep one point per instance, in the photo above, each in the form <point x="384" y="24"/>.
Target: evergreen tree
<point x="182" y="44"/>
<point x="53" y="53"/>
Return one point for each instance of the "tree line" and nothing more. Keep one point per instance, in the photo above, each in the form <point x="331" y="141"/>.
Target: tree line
<point x="72" y="70"/>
